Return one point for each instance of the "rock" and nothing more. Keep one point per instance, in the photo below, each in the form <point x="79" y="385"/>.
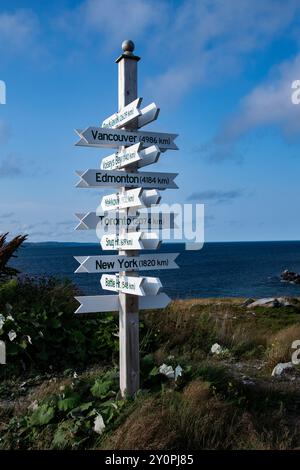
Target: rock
<point x="247" y="302"/>
<point x="267" y="302"/>
<point x="288" y="302"/>
<point x="290" y="276"/>
<point x="282" y="366"/>
<point x="275" y="302"/>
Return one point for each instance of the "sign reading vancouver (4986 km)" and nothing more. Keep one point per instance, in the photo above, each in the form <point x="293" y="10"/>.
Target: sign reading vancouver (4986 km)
<point x="101" y="137"/>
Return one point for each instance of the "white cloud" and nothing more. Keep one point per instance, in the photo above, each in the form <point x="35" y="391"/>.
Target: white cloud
<point x="120" y="17"/>
<point x="17" y="29"/>
<point x="113" y="20"/>
<point x="268" y="104"/>
<point x="207" y="41"/>
<point x="191" y="42"/>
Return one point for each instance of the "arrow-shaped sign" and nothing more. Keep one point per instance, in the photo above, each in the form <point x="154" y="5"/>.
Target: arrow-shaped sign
<point x="148" y="114"/>
<point x="110" y="303"/>
<point x="106" y="263"/>
<point x="131" y="241"/>
<point x="131" y="285"/>
<point x="98" y="178"/>
<point x="125" y="116"/>
<point x="132" y="198"/>
<point x="101" y="137"/>
<point x="141" y="221"/>
<point x="132" y="154"/>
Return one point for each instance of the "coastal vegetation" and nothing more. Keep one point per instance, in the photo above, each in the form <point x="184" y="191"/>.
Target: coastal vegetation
<point x="59" y="386"/>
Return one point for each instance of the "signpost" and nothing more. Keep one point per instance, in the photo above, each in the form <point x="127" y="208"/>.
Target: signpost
<point x="125" y="116"/>
<point x="128" y="229"/>
<point x="111" y="303"/>
<point x="102" y="137"/>
<point x="99" y="178"/>
<point x="148" y="114"/>
<point x="132" y="198"/>
<point x="131" y="241"/>
<point x="139" y="221"/>
<point x="131" y="285"/>
<point x="132" y="154"/>
<point x="107" y="263"/>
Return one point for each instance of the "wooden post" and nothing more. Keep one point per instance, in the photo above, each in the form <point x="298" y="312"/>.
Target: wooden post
<point x="129" y="304"/>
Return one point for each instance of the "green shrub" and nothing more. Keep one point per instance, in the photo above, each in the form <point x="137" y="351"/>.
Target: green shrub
<point x="66" y="419"/>
<point x="42" y="332"/>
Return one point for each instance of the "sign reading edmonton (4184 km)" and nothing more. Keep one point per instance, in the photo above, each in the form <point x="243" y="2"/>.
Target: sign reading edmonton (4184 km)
<point x="138" y="230"/>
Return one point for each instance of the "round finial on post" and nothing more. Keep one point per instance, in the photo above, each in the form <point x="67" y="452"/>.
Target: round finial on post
<point x="128" y="47"/>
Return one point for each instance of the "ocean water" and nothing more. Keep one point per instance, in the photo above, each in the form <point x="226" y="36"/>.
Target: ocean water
<point x="243" y="269"/>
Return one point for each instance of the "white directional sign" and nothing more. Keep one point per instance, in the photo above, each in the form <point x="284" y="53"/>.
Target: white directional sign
<point x="131" y="241"/>
<point x="132" y="154"/>
<point x="125" y="116"/>
<point x="131" y="285"/>
<point x="98" y="178"/>
<point x="148" y="114"/>
<point x="106" y="263"/>
<point x="110" y="303"/>
<point x="101" y="137"/>
<point x="141" y="221"/>
<point x="132" y="198"/>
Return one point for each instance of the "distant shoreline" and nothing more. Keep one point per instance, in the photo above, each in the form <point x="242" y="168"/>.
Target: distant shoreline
<point x="164" y="242"/>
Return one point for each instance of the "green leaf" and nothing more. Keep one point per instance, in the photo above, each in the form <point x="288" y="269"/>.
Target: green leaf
<point x="23" y="344"/>
<point x="60" y="439"/>
<point x="79" y="410"/>
<point x="154" y="371"/>
<point x="85" y="406"/>
<point x="69" y="403"/>
<point x="42" y="415"/>
<point x="101" y="389"/>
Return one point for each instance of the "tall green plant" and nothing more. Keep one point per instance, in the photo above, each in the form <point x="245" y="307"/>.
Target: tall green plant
<point x="7" y="251"/>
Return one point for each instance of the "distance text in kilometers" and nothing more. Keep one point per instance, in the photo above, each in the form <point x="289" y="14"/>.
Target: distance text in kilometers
<point x="94" y="178"/>
<point x="106" y="263"/>
<point x="101" y="137"/>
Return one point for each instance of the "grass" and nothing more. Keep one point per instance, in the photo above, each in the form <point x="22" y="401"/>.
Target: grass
<point x="280" y="345"/>
<point x="220" y="402"/>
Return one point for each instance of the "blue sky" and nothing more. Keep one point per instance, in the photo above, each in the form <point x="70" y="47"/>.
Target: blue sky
<point x="221" y="72"/>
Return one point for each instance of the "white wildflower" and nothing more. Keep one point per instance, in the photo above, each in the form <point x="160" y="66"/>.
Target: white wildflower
<point x="168" y="371"/>
<point x="12" y="335"/>
<point x="9" y="317"/>
<point x="75" y="375"/>
<point x="178" y="372"/>
<point x="29" y="339"/>
<point x="216" y="349"/>
<point x="99" y="425"/>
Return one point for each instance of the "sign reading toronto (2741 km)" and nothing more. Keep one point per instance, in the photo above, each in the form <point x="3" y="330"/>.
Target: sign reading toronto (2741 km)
<point x="125" y="221"/>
